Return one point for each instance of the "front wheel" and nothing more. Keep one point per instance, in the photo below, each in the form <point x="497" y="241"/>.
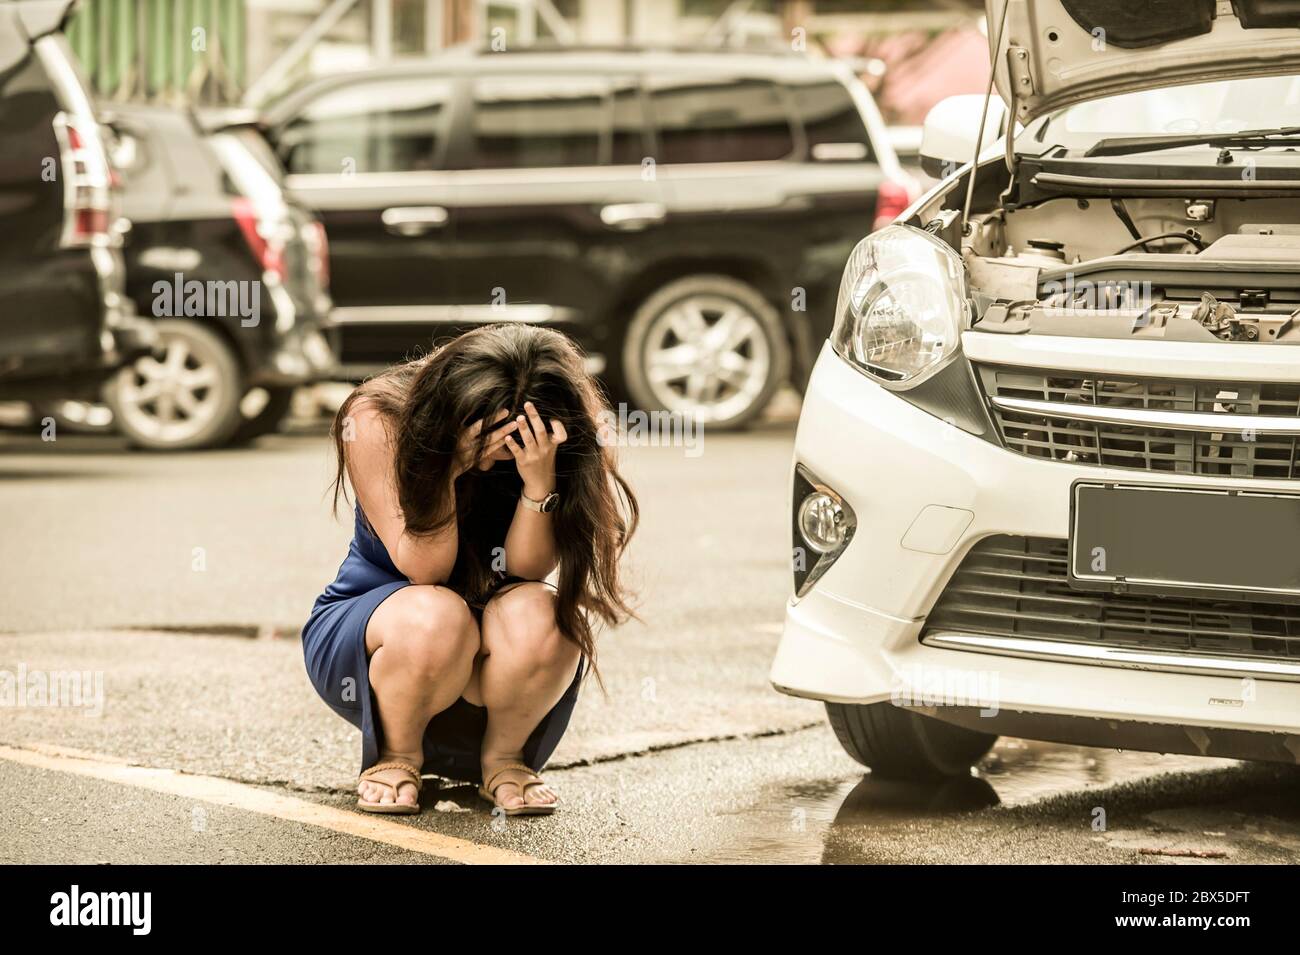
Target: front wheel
<point x="708" y="347"/>
<point x="895" y="743"/>
<point x="184" y="396"/>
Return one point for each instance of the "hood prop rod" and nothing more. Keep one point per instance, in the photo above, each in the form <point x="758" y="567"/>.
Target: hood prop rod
<point x="979" y="137"/>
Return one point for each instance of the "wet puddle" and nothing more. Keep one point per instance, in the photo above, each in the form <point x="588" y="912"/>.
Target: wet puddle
<point x="795" y="825"/>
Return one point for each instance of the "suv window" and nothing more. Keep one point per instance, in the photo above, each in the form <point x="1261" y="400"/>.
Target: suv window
<point x="381" y="126"/>
<point x="830" y="117"/>
<point x="525" y="122"/>
<point x="707" y="120"/>
<point x="160" y="153"/>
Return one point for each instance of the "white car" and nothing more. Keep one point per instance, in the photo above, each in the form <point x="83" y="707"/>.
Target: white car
<point x="1047" y="475"/>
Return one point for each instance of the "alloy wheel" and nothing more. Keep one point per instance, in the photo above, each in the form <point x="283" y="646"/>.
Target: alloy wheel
<point x="707" y="357"/>
<point x="172" y="395"/>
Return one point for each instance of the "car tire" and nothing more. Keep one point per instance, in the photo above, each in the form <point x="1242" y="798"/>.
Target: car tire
<point x="193" y="366"/>
<point x="712" y="381"/>
<point x="896" y="743"/>
<point x="279" y="402"/>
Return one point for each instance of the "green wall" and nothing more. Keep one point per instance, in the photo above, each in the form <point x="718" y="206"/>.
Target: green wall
<point x="144" y="49"/>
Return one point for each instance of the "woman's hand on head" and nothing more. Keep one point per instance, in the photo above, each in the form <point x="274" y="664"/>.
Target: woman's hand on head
<point x="465" y="448"/>
<point x="533" y="448"/>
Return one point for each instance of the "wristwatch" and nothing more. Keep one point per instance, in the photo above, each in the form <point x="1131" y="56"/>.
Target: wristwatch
<point x="544" y="506"/>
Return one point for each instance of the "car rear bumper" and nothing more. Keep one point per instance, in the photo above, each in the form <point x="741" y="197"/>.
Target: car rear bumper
<point x="925" y="493"/>
<point x="130" y="338"/>
<point x="305" y="355"/>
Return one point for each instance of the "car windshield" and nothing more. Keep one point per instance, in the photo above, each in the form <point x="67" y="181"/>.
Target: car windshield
<point x="1226" y="106"/>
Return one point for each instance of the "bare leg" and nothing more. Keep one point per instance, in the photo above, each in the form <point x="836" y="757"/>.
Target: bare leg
<point x="525" y="667"/>
<point x="422" y="642"/>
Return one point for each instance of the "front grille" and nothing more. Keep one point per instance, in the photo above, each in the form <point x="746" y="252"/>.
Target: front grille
<point x="1237" y="452"/>
<point x="1018" y="587"/>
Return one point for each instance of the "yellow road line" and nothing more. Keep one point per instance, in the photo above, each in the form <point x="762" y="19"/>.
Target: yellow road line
<point x="224" y="792"/>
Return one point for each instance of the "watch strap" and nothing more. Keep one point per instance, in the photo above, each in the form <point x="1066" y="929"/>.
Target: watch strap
<point x="539" y="506"/>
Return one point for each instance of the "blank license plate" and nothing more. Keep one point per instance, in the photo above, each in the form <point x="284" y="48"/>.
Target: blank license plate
<point x="1190" y="541"/>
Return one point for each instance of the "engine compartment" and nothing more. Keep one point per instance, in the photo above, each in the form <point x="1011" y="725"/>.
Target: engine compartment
<point x="1177" y="269"/>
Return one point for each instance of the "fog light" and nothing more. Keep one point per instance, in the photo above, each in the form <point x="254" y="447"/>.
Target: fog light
<point x="822" y="522"/>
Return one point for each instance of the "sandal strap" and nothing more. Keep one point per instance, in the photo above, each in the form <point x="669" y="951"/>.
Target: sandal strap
<point x="398" y="764"/>
<point x="511" y="767"/>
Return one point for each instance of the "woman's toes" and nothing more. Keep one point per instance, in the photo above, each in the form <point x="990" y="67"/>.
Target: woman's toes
<point x="536" y="795"/>
<point x="541" y="795"/>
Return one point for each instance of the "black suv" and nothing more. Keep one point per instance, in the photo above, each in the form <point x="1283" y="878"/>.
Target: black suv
<point x="684" y="215"/>
<point x="65" y="324"/>
<point x="231" y="272"/>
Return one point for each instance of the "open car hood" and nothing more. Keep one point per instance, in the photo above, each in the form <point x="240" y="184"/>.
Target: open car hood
<point x="1057" y="52"/>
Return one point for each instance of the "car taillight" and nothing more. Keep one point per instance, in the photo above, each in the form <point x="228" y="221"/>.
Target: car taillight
<point x="87" y="182"/>
<point x="891" y="200"/>
<point x="266" y="247"/>
<point x="320" y="252"/>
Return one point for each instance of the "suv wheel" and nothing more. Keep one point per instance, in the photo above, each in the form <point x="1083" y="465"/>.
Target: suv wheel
<point x="184" y="396"/>
<point x="708" y="347"/>
<point x="895" y="743"/>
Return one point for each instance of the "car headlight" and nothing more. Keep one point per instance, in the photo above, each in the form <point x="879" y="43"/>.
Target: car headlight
<point x="902" y="305"/>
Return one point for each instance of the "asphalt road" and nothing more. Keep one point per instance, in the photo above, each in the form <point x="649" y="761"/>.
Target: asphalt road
<point x="211" y="745"/>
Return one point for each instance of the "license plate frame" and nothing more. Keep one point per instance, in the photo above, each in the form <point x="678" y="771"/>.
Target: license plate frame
<point x="1151" y="536"/>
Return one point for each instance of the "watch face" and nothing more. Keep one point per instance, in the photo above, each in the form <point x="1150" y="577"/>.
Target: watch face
<point x="550" y="502"/>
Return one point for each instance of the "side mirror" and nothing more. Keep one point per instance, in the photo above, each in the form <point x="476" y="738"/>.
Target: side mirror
<point x="948" y="137"/>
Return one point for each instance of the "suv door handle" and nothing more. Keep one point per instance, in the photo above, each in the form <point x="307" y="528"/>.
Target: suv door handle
<point x="411" y="221"/>
<point x="630" y="216"/>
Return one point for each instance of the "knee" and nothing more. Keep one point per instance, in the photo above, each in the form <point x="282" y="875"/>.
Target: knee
<point x="433" y="632"/>
<point x="522" y="624"/>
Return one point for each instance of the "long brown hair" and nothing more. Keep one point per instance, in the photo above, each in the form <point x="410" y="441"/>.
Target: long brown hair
<point x="427" y="403"/>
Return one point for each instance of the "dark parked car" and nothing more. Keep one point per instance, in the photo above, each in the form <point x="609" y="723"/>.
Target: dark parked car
<point x="684" y="215"/>
<point x="232" y="273"/>
<point x="65" y="325"/>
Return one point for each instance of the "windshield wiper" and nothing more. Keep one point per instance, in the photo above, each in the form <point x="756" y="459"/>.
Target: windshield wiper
<point x="1127" y="145"/>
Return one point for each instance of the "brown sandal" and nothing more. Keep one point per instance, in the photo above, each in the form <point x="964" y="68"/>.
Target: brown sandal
<point x="393" y="808"/>
<point x="490" y="786"/>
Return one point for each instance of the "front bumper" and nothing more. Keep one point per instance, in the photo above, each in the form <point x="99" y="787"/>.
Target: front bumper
<point x="924" y="493"/>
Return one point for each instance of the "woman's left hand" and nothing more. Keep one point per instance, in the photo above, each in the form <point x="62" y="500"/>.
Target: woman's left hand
<point x="533" y="448"/>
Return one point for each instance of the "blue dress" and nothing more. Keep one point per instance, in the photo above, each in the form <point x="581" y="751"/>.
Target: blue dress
<point x="334" y="648"/>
